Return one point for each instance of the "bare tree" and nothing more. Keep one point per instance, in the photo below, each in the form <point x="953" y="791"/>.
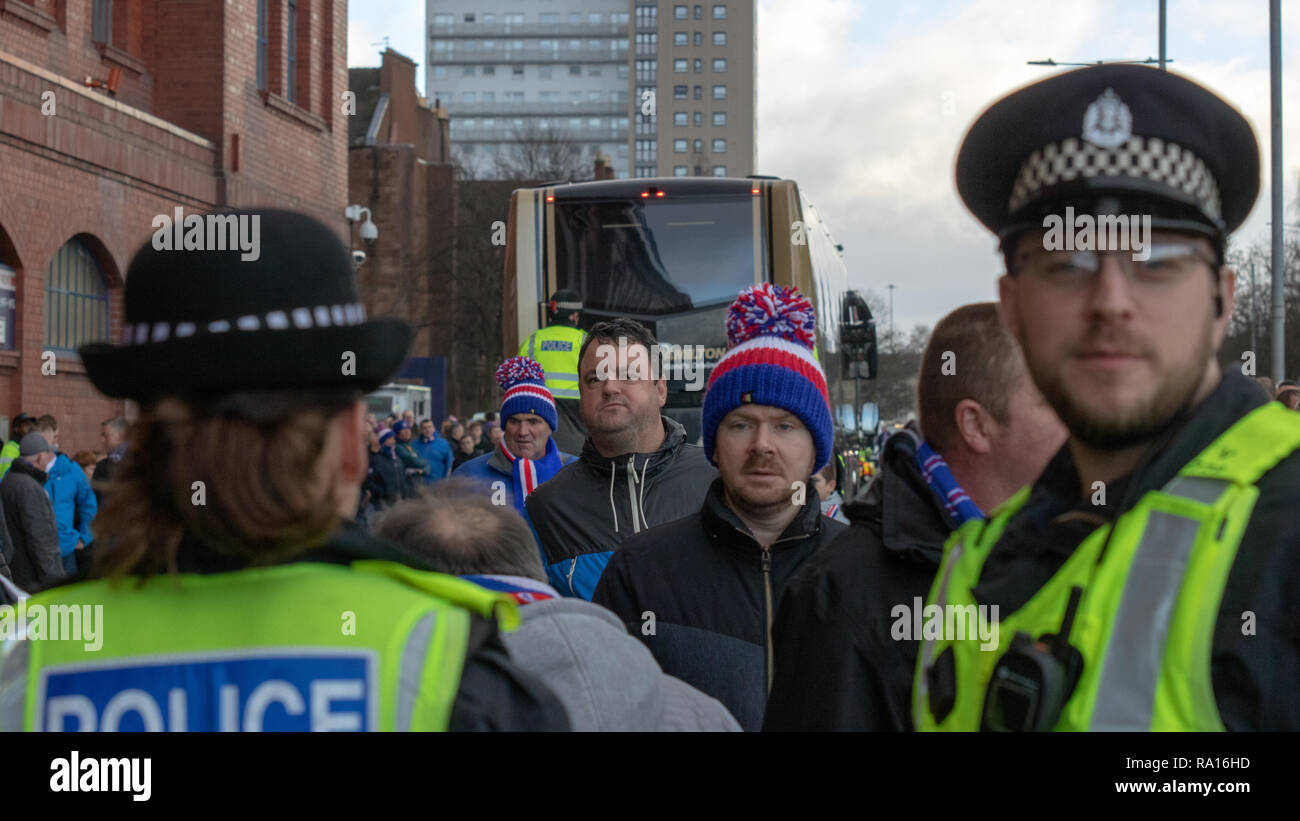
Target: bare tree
<point x="535" y="153"/>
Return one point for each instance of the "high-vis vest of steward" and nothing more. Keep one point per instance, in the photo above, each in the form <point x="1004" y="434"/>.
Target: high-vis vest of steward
<point x="7" y="456"/>
<point x="1146" y="619"/>
<point x="369" y="646"/>
<point x="556" y="348"/>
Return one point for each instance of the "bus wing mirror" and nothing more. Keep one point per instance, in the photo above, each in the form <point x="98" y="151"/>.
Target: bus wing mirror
<point x="857" y="338"/>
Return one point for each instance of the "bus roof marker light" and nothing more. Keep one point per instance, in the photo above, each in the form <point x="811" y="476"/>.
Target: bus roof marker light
<point x="550" y="198"/>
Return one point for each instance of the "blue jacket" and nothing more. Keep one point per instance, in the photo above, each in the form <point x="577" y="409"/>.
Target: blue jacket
<point x="494" y="467"/>
<point x="73" y="502"/>
<point x="437" y="453"/>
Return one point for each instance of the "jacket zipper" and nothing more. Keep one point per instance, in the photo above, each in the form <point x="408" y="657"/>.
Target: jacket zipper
<point x="767" y="597"/>
<point x="631" y="491"/>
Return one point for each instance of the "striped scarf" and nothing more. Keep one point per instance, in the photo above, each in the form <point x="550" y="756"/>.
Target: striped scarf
<point x="940" y="479"/>
<point x="529" y="473"/>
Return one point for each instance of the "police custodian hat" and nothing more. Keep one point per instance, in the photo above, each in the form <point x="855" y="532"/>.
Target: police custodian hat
<point x="1148" y="140"/>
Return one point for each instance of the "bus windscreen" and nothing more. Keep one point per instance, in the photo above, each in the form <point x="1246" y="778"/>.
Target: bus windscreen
<point x="655" y="256"/>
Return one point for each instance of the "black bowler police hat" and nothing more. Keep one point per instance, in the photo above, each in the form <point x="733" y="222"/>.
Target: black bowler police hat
<point x="208" y="322"/>
<point x="1151" y="141"/>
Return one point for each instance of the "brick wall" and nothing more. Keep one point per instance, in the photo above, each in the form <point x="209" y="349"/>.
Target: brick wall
<point x="100" y="168"/>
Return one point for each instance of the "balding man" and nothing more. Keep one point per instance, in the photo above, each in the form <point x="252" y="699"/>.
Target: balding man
<point x="845" y="654"/>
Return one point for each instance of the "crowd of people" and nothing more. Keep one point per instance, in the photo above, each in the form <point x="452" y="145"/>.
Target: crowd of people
<point x="1069" y="535"/>
<point x="48" y="500"/>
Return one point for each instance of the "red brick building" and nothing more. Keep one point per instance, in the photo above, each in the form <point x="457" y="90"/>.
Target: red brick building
<point x="212" y="103"/>
<point x="399" y="168"/>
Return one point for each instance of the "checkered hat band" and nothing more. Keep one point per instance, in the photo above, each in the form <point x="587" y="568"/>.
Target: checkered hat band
<point x="318" y="316"/>
<point x="1145" y="158"/>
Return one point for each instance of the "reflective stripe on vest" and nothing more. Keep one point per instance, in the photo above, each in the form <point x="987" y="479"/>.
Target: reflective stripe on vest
<point x="561" y="362"/>
<point x="373" y="646"/>
<point x="1145" y="624"/>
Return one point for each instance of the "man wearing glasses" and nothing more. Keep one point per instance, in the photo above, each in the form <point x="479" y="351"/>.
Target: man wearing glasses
<point x="1147" y="579"/>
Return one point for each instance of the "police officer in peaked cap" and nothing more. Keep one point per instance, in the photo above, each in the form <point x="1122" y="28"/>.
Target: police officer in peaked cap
<point x="1146" y="580"/>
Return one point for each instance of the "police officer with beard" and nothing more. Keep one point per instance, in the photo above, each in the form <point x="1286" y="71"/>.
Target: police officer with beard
<point x="1147" y="579"/>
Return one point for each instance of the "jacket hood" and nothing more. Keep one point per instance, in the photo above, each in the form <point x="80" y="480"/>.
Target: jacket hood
<point x="606" y="679"/>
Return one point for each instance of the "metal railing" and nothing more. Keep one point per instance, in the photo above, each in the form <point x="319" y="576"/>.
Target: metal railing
<point x="527" y="54"/>
<point x="476" y="30"/>
<point x="562" y="108"/>
<point x="583" y="134"/>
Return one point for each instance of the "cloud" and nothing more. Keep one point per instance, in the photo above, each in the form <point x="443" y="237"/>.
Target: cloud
<point x="865" y="106"/>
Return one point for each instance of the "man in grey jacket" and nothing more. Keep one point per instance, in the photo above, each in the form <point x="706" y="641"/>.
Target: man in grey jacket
<point x="636" y="469"/>
<point x="36" y="562"/>
<point x="606" y="679"/>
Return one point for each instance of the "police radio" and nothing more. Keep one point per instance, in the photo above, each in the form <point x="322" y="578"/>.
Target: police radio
<point x="1034" y="679"/>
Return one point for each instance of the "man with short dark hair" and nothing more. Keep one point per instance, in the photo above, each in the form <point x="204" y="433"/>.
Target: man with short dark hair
<point x="841" y="661"/>
<point x="711" y="580"/>
<point x="827" y="486"/>
<point x="112" y="433"/>
<point x="433" y="449"/>
<point x="36" y="562"/>
<point x="74" y="502"/>
<point x="606" y="679"/>
<point x="636" y="469"/>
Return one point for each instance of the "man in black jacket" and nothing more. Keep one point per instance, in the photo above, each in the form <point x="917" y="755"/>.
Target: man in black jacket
<point x="843" y="659"/>
<point x="35" y="563"/>
<point x="701" y="592"/>
<point x="636" y="469"/>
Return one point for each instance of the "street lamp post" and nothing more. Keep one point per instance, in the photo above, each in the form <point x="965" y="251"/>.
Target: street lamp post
<point x="893" y="346"/>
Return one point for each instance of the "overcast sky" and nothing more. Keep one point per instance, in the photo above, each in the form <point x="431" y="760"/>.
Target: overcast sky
<point x="864" y="103"/>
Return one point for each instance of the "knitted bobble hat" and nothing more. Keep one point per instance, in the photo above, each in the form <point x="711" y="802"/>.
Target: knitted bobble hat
<point x="769" y="361"/>
<point x="524" y="382"/>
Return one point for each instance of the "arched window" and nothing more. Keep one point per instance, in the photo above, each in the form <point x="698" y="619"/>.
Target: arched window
<point x="76" y="298"/>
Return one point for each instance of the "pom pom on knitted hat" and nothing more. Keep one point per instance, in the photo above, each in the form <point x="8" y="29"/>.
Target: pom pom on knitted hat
<point x="770" y="310"/>
<point x="518" y="369"/>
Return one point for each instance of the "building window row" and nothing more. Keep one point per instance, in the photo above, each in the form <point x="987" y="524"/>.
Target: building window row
<point x="593" y="18"/>
<point x="680" y="146"/>
<point x="682" y="38"/>
<point x="680" y="118"/>
<point x="682" y="66"/>
<point x="683" y="171"/>
<point x="684" y="12"/>
<point x="517" y="71"/>
<point x="685" y="93"/>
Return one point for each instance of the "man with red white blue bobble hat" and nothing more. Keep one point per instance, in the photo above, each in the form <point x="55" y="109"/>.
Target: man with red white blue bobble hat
<point x="527" y="454"/>
<point x="712" y="580"/>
